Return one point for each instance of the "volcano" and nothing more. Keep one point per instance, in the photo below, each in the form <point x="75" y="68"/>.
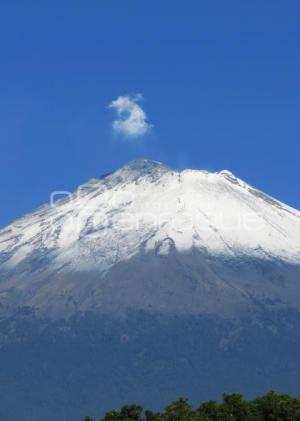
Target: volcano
<point x="144" y="285"/>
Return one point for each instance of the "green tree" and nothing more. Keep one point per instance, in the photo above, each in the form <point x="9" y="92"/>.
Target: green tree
<point x="234" y="407"/>
<point x="210" y="410"/>
<point x="126" y="413"/>
<point x="179" y="410"/>
<point x="152" y="416"/>
<point x="276" y="407"/>
<point x="131" y="413"/>
<point x="112" y="416"/>
<point x="270" y="407"/>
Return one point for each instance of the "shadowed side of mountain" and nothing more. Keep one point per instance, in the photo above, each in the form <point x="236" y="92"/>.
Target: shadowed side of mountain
<point x="162" y="282"/>
<point x="92" y="363"/>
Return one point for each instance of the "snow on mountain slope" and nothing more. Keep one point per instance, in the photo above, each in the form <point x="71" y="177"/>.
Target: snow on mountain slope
<point x="144" y="207"/>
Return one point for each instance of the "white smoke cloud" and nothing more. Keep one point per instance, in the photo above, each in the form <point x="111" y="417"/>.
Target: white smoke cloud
<point x="132" y="119"/>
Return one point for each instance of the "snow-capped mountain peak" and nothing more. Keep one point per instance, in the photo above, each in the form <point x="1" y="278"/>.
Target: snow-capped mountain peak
<point x="147" y="209"/>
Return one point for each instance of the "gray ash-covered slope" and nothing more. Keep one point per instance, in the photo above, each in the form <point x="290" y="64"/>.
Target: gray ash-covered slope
<point x="144" y="285"/>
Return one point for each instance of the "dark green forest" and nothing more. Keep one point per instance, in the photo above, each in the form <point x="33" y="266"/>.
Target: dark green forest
<point x="270" y="407"/>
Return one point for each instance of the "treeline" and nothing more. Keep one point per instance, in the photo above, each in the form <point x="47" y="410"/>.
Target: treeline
<point x="270" y="407"/>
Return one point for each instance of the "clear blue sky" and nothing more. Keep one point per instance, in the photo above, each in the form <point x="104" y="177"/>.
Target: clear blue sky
<point x="220" y="80"/>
